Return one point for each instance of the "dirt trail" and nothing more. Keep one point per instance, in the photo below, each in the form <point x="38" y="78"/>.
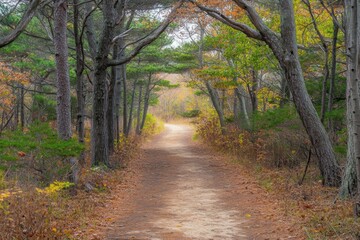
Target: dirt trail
<point x="183" y="191"/>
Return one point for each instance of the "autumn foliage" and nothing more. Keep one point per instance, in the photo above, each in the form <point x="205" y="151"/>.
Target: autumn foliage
<point x="10" y="80"/>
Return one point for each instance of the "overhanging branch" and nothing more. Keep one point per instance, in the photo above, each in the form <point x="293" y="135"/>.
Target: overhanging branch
<point x="26" y="18"/>
<point x="149" y="39"/>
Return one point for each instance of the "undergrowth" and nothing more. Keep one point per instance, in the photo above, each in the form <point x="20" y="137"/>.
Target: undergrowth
<point x="36" y="155"/>
<point x="36" y="199"/>
<point x="153" y="125"/>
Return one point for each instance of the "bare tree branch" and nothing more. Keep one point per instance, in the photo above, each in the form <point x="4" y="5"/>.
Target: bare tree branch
<point x="250" y="32"/>
<point x="149" y="39"/>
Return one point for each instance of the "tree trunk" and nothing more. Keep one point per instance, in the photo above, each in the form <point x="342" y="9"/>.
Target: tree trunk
<point x="324" y="85"/>
<point x="125" y="102"/>
<point x="236" y="110"/>
<point x="17" y="106"/>
<point x="111" y="104"/>
<point x="62" y="70"/>
<point x="22" y="107"/>
<point x="333" y="74"/>
<point x="90" y="31"/>
<point x="99" y="134"/>
<point x="253" y="90"/>
<point x="326" y="63"/>
<point x="79" y="77"/>
<point x="289" y="61"/>
<point x="284" y="91"/>
<point x="132" y="105"/>
<point x="352" y="171"/>
<point x="146" y="103"/>
<point x="139" y="111"/>
<point x="240" y="94"/>
<point x="215" y="100"/>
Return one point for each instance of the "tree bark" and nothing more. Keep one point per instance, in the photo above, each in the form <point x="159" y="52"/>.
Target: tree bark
<point x="333" y="74"/>
<point x="253" y="90"/>
<point x="22" y="108"/>
<point x="132" y="105"/>
<point x="79" y="76"/>
<point x="146" y="102"/>
<point x="111" y="104"/>
<point x="351" y="179"/>
<point x="62" y="70"/>
<point x="284" y="91"/>
<point x="138" y="131"/>
<point x="240" y="94"/>
<point x="99" y="134"/>
<point x="215" y="100"/>
<point x="324" y="86"/>
<point x="125" y="102"/>
<point x="236" y="110"/>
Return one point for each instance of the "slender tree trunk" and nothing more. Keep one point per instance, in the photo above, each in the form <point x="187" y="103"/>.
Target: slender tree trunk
<point x="324" y="85"/>
<point x="90" y="31"/>
<point x="240" y="94"/>
<point x="62" y="70"/>
<point x="120" y="74"/>
<point x="215" y="100"/>
<point x="132" y="105"/>
<point x="99" y="134"/>
<point x="253" y="90"/>
<point x="236" y="110"/>
<point x="146" y="102"/>
<point x="17" y="107"/>
<point x="125" y="102"/>
<point x="333" y="74"/>
<point x="138" y="131"/>
<point x="351" y="179"/>
<point x="326" y="63"/>
<point x="79" y="77"/>
<point x="17" y="93"/>
<point x="22" y="107"/>
<point x="111" y="105"/>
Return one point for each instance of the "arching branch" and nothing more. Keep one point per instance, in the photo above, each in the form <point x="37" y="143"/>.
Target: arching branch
<point x="250" y="32"/>
<point x="150" y="38"/>
<point x="26" y="18"/>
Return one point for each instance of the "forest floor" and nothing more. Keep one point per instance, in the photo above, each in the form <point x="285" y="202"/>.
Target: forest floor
<point x="181" y="189"/>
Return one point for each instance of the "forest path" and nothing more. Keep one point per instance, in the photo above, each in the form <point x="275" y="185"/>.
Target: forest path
<point x="182" y="191"/>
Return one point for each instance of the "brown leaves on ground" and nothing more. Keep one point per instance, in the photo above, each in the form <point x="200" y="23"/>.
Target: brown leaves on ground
<point x="317" y="209"/>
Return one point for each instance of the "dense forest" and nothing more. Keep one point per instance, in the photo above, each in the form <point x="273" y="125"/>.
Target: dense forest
<point x="85" y="84"/>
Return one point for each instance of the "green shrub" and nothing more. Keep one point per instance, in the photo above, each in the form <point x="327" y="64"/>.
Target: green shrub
<point x="152" y="125"/>
<point x="191" y="114"/>
<point x="273" y="118"/>
<point x="44" y="106"/>
<point x="38" y="150"/>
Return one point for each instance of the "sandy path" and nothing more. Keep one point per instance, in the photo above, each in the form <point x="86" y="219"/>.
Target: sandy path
<point x="183" y="192"/>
